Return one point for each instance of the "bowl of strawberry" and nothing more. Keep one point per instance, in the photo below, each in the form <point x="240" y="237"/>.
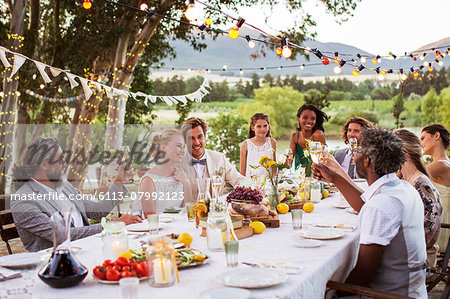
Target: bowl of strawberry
<point x="112" y="271"/>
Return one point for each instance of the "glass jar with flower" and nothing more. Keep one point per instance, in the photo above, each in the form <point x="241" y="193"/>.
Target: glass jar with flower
<point x="273" y="169"/>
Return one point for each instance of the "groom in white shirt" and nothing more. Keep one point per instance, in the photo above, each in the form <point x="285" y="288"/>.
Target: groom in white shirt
<point x="204" y="162"/>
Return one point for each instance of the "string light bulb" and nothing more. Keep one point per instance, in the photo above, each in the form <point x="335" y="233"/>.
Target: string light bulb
<point x="87" y="4"/>
<point x="143" y="6"/>
<point x="251" y="44"/>
<point x="279" y="51"/>
<point x="42" y="86"/>
<point x="415" y="74"/>
<point x="425" y="63"/>
<point x="403" y="76"/>
<point x="191" y="12"/>
<point x="380" y="76"/>
<point x="325" y="60"/>
<point x="302" y="66"/>
<point x="208" y="21"/>
<point x="430" y="69"/>
<point x="233" y="33"/>
<point x="337" y="69"/>
<point x="361" y="58"/>
<point x="286" y="51"/>
<point x="422" y="57"/>
<point x="360" y="68"/>
<point x="355" y="73"/>
<point x="336" y="58"/>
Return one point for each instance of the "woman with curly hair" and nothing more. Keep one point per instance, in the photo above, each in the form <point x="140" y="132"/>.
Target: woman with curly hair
<point x="310" y="127"/>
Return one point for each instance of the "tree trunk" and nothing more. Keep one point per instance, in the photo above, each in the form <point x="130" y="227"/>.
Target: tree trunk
<point x="9" y="102"/>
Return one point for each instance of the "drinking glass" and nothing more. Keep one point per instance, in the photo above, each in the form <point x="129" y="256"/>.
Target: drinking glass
<point x="353" y="143"/>
<point x="289" y="159"/>
<point x="297" y="216"/>
<point x="153" y="224"/>
<point x="232" y="253"/>
<point x="190" y="211"/>
<point x="128" y="287"/>
<point x="216" y="184"/>
<point x="315" y="150"/>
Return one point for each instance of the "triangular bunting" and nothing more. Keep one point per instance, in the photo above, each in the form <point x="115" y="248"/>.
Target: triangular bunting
<point x="55" y="72"/>
<point x="97" y="85"/>
<point x="19" y="60"/>
<point x="3" y="57"/>
<point x="87" y="91"/>
<point x="41" y="69"/>
<point x="167" y="100"/>
<point x="72" y="81"/>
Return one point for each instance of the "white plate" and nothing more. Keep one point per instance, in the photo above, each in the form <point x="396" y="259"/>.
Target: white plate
<point x="166" y="218"/>
<point x="22" y="260"/>
<point x="252" y="278"/>
<point x="321" y="234"/>
<point x="306" y="243"/>
<point x="75" y="249"/>
<point x="341" y="205"/>
<point x="225" y="293"/>
<point x="140" y="227"/>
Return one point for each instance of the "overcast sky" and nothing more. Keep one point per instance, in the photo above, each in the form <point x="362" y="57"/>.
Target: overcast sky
<point x="378" y="26"/>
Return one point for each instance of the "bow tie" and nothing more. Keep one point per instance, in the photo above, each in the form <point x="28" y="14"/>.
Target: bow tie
<point x="195" y="161"/>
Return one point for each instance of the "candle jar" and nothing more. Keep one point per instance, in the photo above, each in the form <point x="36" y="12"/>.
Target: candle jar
<point x="160" y="266"/>
<point x="114" y="239"/>
<point x="217" y="229"/>
<point x="316" y="194"/>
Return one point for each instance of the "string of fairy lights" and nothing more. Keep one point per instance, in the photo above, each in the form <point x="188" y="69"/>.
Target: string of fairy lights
<point x="285" y="47"/>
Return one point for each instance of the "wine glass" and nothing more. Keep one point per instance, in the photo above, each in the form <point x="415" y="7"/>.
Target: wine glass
<point x="353" y="143"/>
<point x="254" y="177"/>
<point x="289" y="159"/>
<point x="216" y="184"/>
<point x="315" y="150"/>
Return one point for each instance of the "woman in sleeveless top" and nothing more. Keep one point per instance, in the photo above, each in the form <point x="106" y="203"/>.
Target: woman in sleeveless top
<point x="258" y="144"/>
<point x="415" y="173"/>
<point x="310" y="127"/>
<point x="164" y="186"/>
<point x="435" y="141"/>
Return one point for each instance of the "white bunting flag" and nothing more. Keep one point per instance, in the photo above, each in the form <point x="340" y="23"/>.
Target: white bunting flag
<point x="19" y="60"/>
<point x="87" y="91"/>
<point x="72" y="81"/>
<point x="41" y="68"/>
<point x="3" y="57"/>
<point x="55" y="72"/>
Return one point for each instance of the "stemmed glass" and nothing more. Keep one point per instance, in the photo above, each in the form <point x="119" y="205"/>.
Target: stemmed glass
<point x="216" y="184"/>
<point x="353" y="143"/>
<point x="289" y="159"/>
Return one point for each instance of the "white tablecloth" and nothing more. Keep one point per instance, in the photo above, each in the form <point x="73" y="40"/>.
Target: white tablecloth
<point x="333" y="260"/>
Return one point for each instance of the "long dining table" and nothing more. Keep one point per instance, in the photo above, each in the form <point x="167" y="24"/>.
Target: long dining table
<point x="333" y="260"/>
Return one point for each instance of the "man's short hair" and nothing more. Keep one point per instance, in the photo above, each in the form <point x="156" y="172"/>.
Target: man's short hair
<point x="37" y="150"/>
<point x="384" y="149"/>
<point x="364" y="123"/>
<point x="192" y="123"/>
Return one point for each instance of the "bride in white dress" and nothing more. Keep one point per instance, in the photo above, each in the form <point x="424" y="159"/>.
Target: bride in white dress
<point x="165" y="185"/>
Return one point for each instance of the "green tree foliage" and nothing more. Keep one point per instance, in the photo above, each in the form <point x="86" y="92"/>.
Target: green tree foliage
<point x="445" y="107"/>
<point x="220" y="92"/>
<point x="421" y="85"/>
<point x="317" y="98"/>
<point x="382" y="93"/>
<point x="225" y="134"/>
<point x="431" y="104"/>
<point x="397" y="110"/>
<point x="279" y="103"/>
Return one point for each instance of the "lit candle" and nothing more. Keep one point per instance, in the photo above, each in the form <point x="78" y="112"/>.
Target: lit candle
<point x="162" y="270"/>
<point x="214" y="238"/>
<point x="118" y="248"/>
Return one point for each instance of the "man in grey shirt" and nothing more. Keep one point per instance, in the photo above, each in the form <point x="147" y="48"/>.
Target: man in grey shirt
<point x="352" y="129"/>
<point x="43" y="190"/>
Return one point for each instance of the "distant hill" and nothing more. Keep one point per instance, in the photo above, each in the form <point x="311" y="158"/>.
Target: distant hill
<point x="236" y="54"/>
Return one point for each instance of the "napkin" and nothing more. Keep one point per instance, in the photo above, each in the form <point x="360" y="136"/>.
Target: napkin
<point x="286" y="267"/>
<point x="6" y="274"/>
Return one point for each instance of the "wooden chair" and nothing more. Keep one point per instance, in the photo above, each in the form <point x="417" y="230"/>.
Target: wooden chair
<point x="444" y="273"/>
<point x="7" y="229"/>
<point x="362" y="291"/>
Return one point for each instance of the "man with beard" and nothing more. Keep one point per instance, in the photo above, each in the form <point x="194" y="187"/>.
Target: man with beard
<point x="392" y="251"/>
<point x="43" y="190"/>
<point x="352" y="129"/>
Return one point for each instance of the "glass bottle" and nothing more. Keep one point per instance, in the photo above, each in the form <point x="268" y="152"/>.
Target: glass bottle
<point x="114" y="239"/>
<point x="217" y="228"/>
<point x="63" y="270"/>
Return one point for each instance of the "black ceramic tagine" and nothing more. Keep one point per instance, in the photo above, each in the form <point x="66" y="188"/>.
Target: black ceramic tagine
<point x="63" y="270"/>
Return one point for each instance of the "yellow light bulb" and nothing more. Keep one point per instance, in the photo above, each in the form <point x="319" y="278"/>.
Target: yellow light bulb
<point x="374" y="61"/>
<point x="430" y="69"/>
<point x="233" y="33"/>
<point x="383" y="72"/>
<point x="286" y="52"/>
<point x="279" y="51"/>
<point x="208" y="21"/>
<point x="355" y="73"/>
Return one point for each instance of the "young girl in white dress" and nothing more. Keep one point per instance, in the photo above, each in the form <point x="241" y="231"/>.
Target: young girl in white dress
<point x="258" y="144"/>
<point x="165" y="185"/>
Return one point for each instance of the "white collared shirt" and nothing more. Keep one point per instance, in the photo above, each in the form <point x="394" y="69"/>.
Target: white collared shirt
<point x="199" y="169"/>
<point x="77" y="219"/>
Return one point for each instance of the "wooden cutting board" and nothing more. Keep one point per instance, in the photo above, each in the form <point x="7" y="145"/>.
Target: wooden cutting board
<point x="269" y="221"/>
<point x="241" y="233"/>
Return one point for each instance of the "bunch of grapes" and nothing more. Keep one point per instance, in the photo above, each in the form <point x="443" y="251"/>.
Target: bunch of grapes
<point x="243" y="193"/>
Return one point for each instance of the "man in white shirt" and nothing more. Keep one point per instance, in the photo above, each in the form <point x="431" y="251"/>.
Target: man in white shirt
<point x="43" y="190"/>
<point x="352" y="129"/>
<point x="207" y="163"/>
<point x="392" y="250"/>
